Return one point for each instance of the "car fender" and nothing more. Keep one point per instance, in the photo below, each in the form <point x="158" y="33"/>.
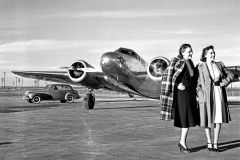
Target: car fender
<point x="74" y="94"/>
<point x="69" y="93"/>
<point x="43" y="96"/>
<point x="31" y="95"/>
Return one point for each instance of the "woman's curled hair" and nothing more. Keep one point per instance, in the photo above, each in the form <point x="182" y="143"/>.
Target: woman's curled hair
<point x="204" y="52"/>
<point x="182" y="49"/>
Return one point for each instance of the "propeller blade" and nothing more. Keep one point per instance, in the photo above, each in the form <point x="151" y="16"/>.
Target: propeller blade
<point x="77" y="69"/>
<point x="60" y="67"/>
<point x="88" y="69"/>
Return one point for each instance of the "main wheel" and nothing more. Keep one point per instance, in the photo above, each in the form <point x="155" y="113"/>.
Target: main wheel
<point x="89" y="101"/>
<point x="36" y="99"/>
<point x="70" y="98"/>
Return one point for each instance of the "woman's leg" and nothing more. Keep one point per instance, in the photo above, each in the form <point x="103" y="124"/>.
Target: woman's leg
<point x="217" y="128"/>
<point x="184" y="137"/>
<point x="208" y="134"/>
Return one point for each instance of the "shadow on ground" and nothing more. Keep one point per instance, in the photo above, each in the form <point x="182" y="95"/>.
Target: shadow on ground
<point x="224" y="146"/>
<point x="32" y="107"/>
<point x="5" y="143"/>
<point x="127" y="107"/>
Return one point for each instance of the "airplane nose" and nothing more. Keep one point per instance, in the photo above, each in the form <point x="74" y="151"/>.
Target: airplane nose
<point x="107" y="59"/>
<point x="110" y="61"/>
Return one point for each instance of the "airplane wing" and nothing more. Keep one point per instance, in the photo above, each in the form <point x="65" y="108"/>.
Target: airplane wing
<point x="54" y="76"/>
<point x="97" y="80"/>
<point x="80" y="73"/>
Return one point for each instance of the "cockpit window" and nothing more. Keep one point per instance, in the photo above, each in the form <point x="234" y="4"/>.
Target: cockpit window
<point x="128" y="52"/>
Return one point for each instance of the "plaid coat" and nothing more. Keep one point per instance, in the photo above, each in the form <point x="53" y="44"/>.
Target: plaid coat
<point x="167" y="87"/>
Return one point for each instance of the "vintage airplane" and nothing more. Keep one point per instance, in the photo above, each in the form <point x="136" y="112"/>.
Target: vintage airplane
<point x="122" y="70"/>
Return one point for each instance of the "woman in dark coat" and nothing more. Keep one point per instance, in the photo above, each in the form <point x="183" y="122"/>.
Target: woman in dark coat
<point x="178" y="94"/>
<point x="213" y="106"/>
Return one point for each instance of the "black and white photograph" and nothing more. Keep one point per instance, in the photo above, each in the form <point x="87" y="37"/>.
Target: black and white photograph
<point x="119" y="79"/>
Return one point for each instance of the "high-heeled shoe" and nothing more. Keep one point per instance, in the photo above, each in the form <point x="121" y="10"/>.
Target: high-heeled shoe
<point x="210" y="149"/>
<point x="182" y="149"/>
<point x="215" y="149"/>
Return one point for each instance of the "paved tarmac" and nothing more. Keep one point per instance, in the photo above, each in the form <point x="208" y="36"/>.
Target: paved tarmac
<point x="120" y="130"/>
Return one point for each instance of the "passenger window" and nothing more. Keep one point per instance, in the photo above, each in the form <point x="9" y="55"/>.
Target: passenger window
<point x="67" y="88"/>
<point x="53" y="88"/>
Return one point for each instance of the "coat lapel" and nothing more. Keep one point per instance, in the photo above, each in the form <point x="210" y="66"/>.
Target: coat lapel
<point x="219" y="68"/>
<point x="179" y="67"/>
<point x="207" y="76"/>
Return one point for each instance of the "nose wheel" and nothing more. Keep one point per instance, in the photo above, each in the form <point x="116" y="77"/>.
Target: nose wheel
<point x="89" y="100"/>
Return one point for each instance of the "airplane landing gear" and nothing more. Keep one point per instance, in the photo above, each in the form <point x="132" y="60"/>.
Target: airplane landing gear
<point x="89" y="101"/>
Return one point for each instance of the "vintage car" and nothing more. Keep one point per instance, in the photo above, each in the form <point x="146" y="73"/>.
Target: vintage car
<point x="62" y="92"/>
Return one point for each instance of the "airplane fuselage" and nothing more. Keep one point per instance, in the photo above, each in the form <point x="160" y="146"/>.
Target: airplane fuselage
<point x="131" y="71"/>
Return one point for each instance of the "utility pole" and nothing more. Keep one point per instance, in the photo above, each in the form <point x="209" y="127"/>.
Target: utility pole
<point x="16" y="81"/>
<point x="4" y="79"/>
<point x="19" y="82"/>
<point x="2" y="82"/>
<point x="13" y="84"/>
<point x="22" y="81"/>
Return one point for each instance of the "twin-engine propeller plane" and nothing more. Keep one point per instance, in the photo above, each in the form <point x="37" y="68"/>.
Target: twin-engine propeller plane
<point x="122" y="70"/>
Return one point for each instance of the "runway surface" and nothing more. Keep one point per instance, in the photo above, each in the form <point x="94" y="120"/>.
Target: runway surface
<point x="114" y="130"/>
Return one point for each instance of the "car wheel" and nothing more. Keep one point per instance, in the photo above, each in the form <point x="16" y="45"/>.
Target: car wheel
<point x="36" y="99"/>
<point x="63" y="101"/>
<point x="70" y="98"/>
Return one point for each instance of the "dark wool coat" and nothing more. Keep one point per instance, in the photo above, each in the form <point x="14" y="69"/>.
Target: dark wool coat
<point x="167" y="87"/>
<point x="206" y="100"/>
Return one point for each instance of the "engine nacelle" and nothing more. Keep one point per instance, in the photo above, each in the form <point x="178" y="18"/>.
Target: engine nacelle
<point x="156" y="67"/>
<point x="84" y="78"/>
<point x="76" y="75"/>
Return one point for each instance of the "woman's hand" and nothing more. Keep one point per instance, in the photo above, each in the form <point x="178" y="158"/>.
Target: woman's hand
<point x="181" y="86"/>
<point x="222" y="84"/>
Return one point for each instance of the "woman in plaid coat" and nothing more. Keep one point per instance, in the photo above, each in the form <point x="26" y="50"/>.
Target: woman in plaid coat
<point x="178" y="94"/>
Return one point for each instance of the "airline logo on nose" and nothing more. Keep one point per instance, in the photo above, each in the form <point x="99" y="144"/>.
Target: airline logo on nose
<point x="121" y="60"/>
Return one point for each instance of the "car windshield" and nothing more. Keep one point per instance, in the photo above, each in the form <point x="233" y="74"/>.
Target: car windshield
<point x="53" y="88"/>
<point x="47" y="87"/>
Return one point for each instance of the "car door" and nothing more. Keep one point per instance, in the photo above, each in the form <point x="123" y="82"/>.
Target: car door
<point x="53" y="91"/>
<point x="61" y="92"/>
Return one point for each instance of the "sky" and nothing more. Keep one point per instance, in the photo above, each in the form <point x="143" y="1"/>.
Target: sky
<point x="40" y="34"/>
